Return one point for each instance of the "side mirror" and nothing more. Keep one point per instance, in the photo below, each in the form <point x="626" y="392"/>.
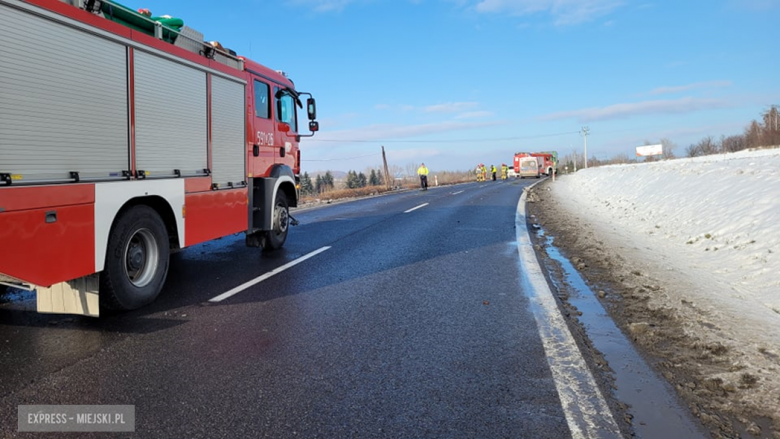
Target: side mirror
<point x="314" y="126"/>
<point x="311" y="108"/>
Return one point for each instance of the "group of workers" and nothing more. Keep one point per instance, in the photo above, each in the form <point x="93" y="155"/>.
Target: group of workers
<point x="482" y="172"/>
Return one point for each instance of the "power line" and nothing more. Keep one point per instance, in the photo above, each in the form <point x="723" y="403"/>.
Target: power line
<point x="343" y="158"/>
<point x="501" y="139"/>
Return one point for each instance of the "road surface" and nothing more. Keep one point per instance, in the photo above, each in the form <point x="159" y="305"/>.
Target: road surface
<point x="403" y="315"/>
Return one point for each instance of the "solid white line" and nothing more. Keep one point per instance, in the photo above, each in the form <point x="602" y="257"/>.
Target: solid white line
<point x="415" y="208"/>
<point x="586" y="411"/>
<point x="259" y="279"/>
<point x="456" y="193"/>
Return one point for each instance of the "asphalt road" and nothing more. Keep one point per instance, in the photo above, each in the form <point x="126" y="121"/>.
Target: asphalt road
<point x="408" y="323"/>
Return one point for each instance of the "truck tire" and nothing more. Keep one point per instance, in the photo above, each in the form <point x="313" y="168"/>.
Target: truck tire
<point x="280" y="223"/>
<point x="137" y="260"/>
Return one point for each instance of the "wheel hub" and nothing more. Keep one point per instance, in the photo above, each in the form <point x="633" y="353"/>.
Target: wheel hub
<point x="141" y="258"/>
<point x="282" y="219"/>
<point x="136" y="258"/>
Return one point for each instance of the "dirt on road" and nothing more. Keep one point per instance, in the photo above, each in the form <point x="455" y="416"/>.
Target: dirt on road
<point x="727" y="384"/>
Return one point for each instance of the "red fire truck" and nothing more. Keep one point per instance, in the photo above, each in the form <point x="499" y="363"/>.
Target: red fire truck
<point x="125" y="137"/>
<point x="546" y="160"/>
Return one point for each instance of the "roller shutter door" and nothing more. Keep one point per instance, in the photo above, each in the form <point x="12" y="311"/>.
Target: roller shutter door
<point x="63" y="101"/>
<point x="170" y="117"/>
<point x="227" y="132"/>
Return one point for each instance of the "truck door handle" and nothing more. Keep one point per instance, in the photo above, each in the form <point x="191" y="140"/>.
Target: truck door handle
<point x="256" y="150"/>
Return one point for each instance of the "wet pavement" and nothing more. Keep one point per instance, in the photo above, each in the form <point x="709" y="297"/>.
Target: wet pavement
<point x="410" y="325"/>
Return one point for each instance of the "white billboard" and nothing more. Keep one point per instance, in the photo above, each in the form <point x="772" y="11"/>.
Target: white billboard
<point x="648" y="150"/>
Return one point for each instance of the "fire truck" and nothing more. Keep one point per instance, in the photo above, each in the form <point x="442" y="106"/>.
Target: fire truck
<point x="547" y="161"/>
<point x="549" y="164"/>
<point x="125" y="137"/>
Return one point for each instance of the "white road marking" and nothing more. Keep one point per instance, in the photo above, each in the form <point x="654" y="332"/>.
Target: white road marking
<point x="456" y="193"/>
<point x="587" y="413"/>
<point x="415" y="208"/>
<point x="259" y="279"/>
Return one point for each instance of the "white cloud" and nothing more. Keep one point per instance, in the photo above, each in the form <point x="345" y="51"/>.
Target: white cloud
<point x="564" y="12"/>
<point x="474" y="115"/>
<point x="402" y="107"/>
<point x="385" y="132"/>
<point x="622" y="111"/>
<point x="451" y="107"/>
<point x="697" y="85"/>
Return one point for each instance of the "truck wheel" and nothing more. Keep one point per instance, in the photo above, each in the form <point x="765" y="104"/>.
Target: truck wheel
<point x="280" y="223"/>
<point x="136" y="260"/>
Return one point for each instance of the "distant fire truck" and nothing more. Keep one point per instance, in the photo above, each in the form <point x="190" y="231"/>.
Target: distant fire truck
<point x="548" y="161"/>
<point x="124" y="137"/>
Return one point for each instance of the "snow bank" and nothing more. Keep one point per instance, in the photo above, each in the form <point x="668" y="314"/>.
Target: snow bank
<point x="717" y="216"/>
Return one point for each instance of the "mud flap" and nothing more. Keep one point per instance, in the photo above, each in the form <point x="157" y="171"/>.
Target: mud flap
<point x="78" y="296"/>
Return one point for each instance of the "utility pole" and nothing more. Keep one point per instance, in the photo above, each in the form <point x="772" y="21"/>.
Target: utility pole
<point x="575" y="159"/>
<point x="387" y="174"/>
<point x="585" y="131"/>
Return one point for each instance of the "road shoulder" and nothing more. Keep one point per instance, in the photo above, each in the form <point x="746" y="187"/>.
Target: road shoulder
<point x="731" y="396"/>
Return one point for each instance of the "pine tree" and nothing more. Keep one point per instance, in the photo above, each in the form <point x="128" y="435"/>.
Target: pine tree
<point x="352" y="180"/>
<point x="306" y="186"/>
<point x="373" y="180"/>
<point x="362" y="180"/>
<point x="328" y="180"/>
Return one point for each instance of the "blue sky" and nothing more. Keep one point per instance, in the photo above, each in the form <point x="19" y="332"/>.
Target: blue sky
<point x="455" y="83"/>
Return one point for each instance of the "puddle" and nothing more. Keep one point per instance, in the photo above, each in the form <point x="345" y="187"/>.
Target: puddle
<point x="652" y="402"/>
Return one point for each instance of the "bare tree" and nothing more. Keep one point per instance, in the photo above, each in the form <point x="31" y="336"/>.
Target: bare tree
<point x="732" y="143"/>
<point x="411" y="169"/>
<point x="619" y="159"/>
<point x="707" y="146"/>
<point x="753" y="135"/>
<point x="771" y="131"/>
<point x="668" y="148"/>
<point x="575" y="160"/>
<point x="692" y="150"/>
<point x="395" y="171"/>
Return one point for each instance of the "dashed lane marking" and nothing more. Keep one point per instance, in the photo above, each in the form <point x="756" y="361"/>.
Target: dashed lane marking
<point x="415" y="208"/>
<point x="259" y="279"/>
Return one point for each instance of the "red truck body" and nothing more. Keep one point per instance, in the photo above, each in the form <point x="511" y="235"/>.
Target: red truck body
<point x="118" y="146"/>
<point x="546" y="161"/>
